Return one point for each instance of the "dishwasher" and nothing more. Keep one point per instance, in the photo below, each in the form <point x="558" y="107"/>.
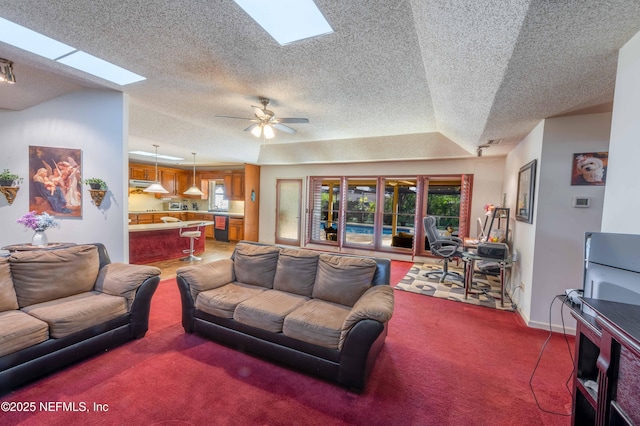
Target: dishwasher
<point x="221" y="228"/>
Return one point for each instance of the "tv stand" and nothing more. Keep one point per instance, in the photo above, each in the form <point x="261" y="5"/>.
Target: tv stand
<point x="607" y="355"/>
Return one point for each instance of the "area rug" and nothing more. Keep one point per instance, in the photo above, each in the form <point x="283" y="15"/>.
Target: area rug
<point x="485" y="288"/>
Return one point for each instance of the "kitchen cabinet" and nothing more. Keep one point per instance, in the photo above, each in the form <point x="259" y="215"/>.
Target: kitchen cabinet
<point x="142" y="172"/>
<point x="234" y="186"/>
<point x="141" y="218"/>
<point x="174" y="181"/>
<point x="208" y="230"/>
<point x="236" y="229"/>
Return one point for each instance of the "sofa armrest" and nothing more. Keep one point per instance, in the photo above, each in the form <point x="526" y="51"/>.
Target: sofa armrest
<point x="121" y="279"/>
<point x="206" y="276"/>
<point x="375" y="304"/>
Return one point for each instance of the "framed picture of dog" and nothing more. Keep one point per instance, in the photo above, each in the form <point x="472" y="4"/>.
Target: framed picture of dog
<point x="589" y="168"/>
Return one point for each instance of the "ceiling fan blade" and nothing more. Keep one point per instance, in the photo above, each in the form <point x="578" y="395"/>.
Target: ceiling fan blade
<point x="292" y="120"/>
<point x="282" y="127"/>
<point x="259" y="112"/>
<point x="248" y="129"/>
<point x="237" y="118"/>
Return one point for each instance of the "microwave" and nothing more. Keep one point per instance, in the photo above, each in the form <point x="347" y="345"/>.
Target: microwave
<point x="174" y="206"/>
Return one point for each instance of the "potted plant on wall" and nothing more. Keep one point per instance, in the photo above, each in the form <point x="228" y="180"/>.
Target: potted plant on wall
<point x="9" y="179"/>
<point x="96" y="183"/>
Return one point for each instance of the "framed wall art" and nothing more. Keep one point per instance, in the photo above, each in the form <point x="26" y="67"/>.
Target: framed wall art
<point x="526" y="191"/>
<point x="589" y="168"/>
<point x="55" y="183"/>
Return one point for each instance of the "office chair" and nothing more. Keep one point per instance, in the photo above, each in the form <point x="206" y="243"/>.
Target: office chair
<point x="448" y="248"/>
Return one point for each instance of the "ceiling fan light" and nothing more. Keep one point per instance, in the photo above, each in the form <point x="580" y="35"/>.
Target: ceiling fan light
<point x="268" y="132"/>
<point x="256" y="131"/>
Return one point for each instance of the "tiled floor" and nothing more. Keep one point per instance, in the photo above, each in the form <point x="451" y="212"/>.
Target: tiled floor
<point x="214" y="250"/>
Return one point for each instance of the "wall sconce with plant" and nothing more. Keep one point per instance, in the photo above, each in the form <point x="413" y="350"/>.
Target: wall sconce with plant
<point x="9" y="185"/>
<point x="98" y="189"/>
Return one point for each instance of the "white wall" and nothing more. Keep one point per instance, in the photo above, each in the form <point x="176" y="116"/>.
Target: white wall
<point x="487" y="186"/>
<point x="523" y="241"/>
<point x="551" y="249"/>
<point x="95" y="122"/>
<point x="622" y="200"/>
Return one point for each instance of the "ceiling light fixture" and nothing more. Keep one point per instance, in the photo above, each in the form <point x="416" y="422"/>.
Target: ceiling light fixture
<point x="263" y="129"/>
<point x="155" y="187"/>
<point x="6" y="71"/>
<point x="194" y="190"/>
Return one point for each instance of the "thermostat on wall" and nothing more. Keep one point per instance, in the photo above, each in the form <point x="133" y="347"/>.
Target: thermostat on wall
<point x="581" y="202"/>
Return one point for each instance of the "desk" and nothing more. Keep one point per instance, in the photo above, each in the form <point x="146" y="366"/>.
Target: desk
<point x="470" y="259"/>
<point x="470" y="243"/>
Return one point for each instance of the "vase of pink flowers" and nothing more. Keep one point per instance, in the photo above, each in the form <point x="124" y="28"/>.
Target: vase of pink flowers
<point x="39" y="223"/>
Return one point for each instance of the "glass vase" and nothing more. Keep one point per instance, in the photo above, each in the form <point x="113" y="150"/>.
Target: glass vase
<point x="39" y="239"/>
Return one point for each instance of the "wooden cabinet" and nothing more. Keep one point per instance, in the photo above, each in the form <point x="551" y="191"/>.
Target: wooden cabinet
<point x="208" y="230"/>
<point x="236" y="229"/>
<point x="142" y="172"/>
<point x="607" y="369"/>
<point x="234" y="186"/>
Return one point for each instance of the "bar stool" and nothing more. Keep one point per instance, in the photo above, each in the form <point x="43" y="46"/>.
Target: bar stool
<point x="192" y="235"/>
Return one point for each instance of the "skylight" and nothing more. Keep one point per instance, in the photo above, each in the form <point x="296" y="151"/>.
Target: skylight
<point x="153" y="154"/>
<point x="34" y="42"/>
<point x="287" y="20"/>
<point x="100" y="68"/>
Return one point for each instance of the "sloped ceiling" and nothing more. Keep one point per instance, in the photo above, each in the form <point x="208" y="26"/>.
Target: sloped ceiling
<point x="397" y="80"/>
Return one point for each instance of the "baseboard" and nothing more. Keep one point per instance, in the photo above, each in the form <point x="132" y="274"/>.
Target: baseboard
<point x="556" y="328"/>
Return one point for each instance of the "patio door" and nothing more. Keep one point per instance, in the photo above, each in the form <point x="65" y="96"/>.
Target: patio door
<point x="288" y="198"/>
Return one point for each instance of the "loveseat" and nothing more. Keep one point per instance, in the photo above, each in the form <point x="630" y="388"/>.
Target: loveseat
<point x="60" y="306"/>
<point x="324" y="314"/>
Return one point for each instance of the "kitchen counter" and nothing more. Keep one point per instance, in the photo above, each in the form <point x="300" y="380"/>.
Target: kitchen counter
<point x="162" y="241"/>
<point x="169" y="225"/>
<point x="230" y="214"/>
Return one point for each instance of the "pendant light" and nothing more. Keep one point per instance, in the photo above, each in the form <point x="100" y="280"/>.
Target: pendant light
<point x="155" y="187"/>
<point x="194" y="190"/>
<point x="6" y="71"/>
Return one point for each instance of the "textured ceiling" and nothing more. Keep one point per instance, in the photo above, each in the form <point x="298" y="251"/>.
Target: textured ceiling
<point x="397" y="80"/>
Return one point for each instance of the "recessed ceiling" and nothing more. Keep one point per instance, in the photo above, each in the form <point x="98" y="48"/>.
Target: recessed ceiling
<point x="396" y="80"/>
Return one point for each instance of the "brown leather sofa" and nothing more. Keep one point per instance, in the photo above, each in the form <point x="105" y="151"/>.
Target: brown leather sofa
<point x="324" y="314"/>
<point x="60" y="306"/>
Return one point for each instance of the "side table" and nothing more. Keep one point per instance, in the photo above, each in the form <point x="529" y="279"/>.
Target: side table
<point x="470" y="259"/>
<point x="29" y="247"/>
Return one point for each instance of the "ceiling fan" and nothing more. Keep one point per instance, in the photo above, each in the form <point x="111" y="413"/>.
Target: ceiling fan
<point x="265" y="121"/>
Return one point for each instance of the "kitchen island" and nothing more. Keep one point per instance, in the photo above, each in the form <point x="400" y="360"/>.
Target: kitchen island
<point x="154" y="242"/>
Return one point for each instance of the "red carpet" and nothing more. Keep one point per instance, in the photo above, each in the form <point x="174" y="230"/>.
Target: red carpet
<point x="444" y="363"/>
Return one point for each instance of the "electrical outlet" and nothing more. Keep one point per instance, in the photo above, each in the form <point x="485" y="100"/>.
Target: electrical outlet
<point x="522" y="285"/>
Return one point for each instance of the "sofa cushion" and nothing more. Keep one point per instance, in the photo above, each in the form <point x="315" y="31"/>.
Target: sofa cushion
<point x="222" y="301"/>
<point x="343" y="279"/>
<point x="19" y="330"/>
<point x="206" y="276"/>
<point x="268" y="309"/>
<point x="75" y="313"/>
<point x="316" y="322"/>
<point x="296" y="271"/>
<point x="255" y="264"/>
<point x="120" y="279"/>
<point x="43" y="275"/>
<point x="8" y="299"/>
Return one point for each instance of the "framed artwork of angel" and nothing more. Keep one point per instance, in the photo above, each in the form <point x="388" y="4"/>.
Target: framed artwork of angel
<point x="55" y="181"/>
